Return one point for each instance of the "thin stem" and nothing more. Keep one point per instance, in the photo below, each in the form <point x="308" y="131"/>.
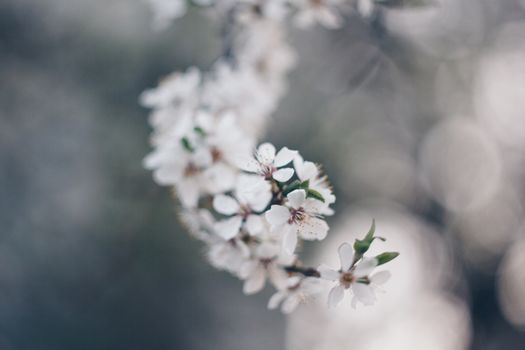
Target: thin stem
<point x="305" y="271"/>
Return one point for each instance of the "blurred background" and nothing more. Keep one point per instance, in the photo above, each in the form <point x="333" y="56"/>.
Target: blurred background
<point x="417" y="117"/>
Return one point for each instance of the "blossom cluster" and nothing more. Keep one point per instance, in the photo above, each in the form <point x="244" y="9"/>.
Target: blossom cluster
<point x="252" y="207"/>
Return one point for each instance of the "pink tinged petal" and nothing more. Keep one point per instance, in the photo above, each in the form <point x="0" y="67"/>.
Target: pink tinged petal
<point x="305" y="170"/>
<point x="293" y="281"/>
<point x="277" y="276"/>
<point x="365" y="267"/>
<point x="167" y="175"/>
<point x="364" y="293"/>
<point x="290" y="304"/>
<point x="261" y="201"/>
<point x="220" y="178"/>
<point x="283" y="175"/>
<point x="296" y="198"/>
<point x="247" y="269"/>
<point x="354" y="302"/>
<point x="266" y="153"/>
<point x="267" y="250"/>
<point x="188" y="193"/>
<point x="290" y="241"/>
<point x="380" y="278"/>
<point x="346" y="256"/>
<point x="255" y="282"/>
<point x="283" y="157"/>
<point x="246" y="163"/>
<point x="277" y="216"/>
<point x="202" y="157"/>
<point x="276" y="299"/>
<point x="313" y="229"/>
<point x="254" y="225"/>
<point x="225" y="204"/>
<point x="336" y="295"/>
<point x="328" y="273"/>
<point x="228" y="228"/>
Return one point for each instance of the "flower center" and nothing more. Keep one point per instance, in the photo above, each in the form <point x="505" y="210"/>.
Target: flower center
<point x="244" y="211"/>
<point x="190" y="170"/>
<point x="266" y="262"/>
<point x="267" y="171"/>
<point x="296" y="215"/>
<point x="347" y="279"/>
<point x="216" y="154"/>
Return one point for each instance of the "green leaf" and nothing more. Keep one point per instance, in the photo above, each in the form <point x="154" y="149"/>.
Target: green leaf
<point x="386" y="257"/>
<point x="186" y="144"/>
<point x="296" y="185"/>
<point x="315" y="195"/>
<point x="362" y="246"/>
<point x="199" y="131"/>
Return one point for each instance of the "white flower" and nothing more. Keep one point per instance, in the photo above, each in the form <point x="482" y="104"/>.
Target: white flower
<point x="299" y="218"/>
<point x="310" y="171"/>
<point x="265" y="265"/>
<point x="225" y="143"/>
<point x="175" y="166"/>
<point x="228" y="255"/>
<point x="242" y="90"/>
<point x="176" y="89"/>
<point x="266" y="163"/>
<point x="325" y="12"/>
<point x="354" y="277"/>
<point x="298" y="290"/>
<point x="252" y="195"/>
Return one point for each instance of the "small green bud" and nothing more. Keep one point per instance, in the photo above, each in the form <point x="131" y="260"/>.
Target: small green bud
<point x="386" y="257"/>
<point x="187" y="145"/>
<point x="199" y="131"/>
<point x="315" y="195"/>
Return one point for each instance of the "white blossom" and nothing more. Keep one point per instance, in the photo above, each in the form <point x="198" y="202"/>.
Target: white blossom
<point x="309" y="171"/>
<point x="300" y="217"/>
<point x="269" y="164"/>
<point x="354" y="277"/>
<point x="252" y="195"/>
<point x="205" y="127"/>
<point x="298" y="290"/>
<point x="324" y="12"/>
<point x="266" y="264"/>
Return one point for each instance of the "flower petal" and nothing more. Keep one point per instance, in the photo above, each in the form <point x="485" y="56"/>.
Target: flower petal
<point x="277" y="276"/>
<point x="296" y="198"/>
<point x="277" y="216"/>
<point x="336" y="295"/>
<point x="283" y="157"/>
<point x="255" y="282"/>
<point x="228" y="228"/>
<point x="380" y="278"/>
<point x="276" y="299"/>
<point x="328" y="273"/>
<point x="313" y="228"/>
<point x="365" y="267"/>
<point x="225" y="204"/>
<point x="283" y="175"/>
<point x="346" y="256"/>
<point x="290" y="304"/>
<point x="290" y="241"/>
<point x="364" y="293"/>
<point x="188" y="193"/>
<point x="266" y="153"/>
<point x="254" y="224"/>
